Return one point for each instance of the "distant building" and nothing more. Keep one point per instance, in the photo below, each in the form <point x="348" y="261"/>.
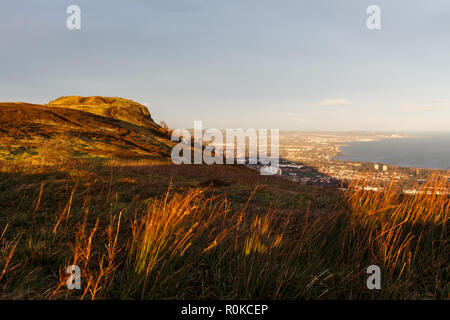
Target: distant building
<point x="270" y="170"/>
<point x="376" y="167"/>
<point x="385" y="168"/>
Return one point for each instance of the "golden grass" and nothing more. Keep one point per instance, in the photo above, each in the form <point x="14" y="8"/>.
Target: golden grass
<point x="198" y="245"/>
<point x="403" y="231"/>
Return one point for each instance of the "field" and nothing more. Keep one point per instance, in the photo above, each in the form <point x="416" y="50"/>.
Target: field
<point x="148" y="229"/>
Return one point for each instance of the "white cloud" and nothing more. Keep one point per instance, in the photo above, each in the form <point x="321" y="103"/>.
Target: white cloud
<point x="332" y="103"/>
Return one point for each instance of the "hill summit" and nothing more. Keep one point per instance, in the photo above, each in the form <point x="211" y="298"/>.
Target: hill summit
<point x="106" y="127"/>
<point x="110" y="107"/>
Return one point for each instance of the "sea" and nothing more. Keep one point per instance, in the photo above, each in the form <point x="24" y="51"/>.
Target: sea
<point x="418" y="150"/>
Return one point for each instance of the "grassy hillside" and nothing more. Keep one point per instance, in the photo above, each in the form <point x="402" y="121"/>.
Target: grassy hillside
<point x="122" y="130"/>
<point x="110" y="107"/>
<point x="140" y="227"/>
<point x="143" y="230"/>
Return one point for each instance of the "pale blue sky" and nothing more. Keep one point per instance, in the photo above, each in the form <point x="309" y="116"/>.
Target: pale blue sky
<point x="287" y="64"/>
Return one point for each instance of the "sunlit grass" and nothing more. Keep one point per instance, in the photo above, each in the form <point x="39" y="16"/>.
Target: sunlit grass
<point x="198" y="243"/>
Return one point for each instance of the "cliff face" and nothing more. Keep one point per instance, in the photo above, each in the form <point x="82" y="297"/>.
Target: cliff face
<point x="85" y="126"/>
<point x="111" y="107"/>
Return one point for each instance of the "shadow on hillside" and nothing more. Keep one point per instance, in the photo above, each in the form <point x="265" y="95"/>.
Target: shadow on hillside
<point x="333" y="246"/>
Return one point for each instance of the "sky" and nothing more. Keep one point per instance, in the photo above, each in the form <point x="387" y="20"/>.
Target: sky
<point x="284" y="64"/>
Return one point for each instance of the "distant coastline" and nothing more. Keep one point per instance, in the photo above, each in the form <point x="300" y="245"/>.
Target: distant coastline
<point x="371" y="139"/>
<point x="408" y="151"/>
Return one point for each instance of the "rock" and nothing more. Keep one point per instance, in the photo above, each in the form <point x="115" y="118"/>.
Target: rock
<point x="111" y="107"/>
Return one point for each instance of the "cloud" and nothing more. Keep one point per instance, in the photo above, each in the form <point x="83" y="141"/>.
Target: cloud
<point x="332" y="103"/>
<point x="428" y="105"/>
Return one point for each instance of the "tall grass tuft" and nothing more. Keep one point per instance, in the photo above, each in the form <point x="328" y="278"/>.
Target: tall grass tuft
<point x="202" y="244"/>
